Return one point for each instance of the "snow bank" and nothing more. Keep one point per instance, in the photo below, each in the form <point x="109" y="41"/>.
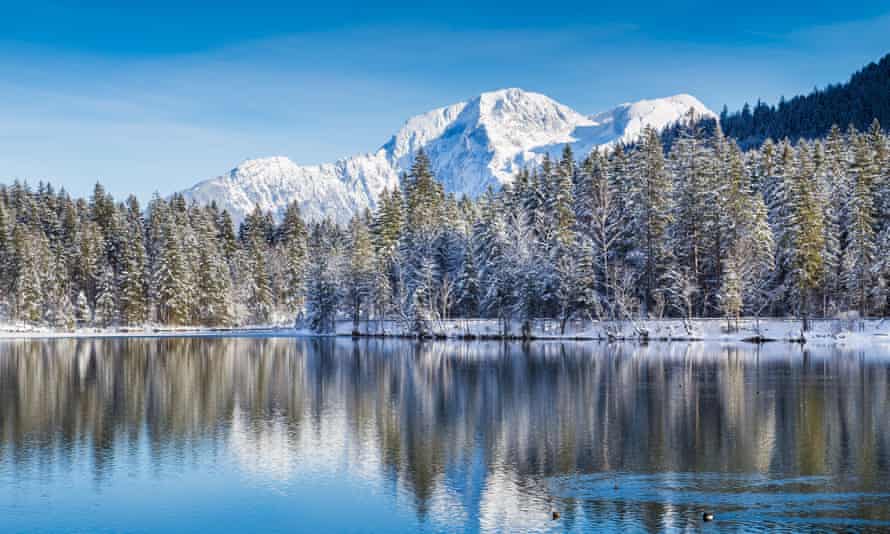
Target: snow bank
<point x="23" y="331"/>
<point x="822" y="331"/>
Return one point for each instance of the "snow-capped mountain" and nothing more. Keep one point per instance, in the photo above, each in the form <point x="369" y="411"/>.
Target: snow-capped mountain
<point x="472" y="145"/>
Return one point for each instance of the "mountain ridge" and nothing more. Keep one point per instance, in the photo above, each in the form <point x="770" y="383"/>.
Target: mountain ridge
<point x="473" y="145"/>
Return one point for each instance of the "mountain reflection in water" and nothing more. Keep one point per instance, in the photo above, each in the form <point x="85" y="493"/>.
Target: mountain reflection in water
<point x="282" y="434"/>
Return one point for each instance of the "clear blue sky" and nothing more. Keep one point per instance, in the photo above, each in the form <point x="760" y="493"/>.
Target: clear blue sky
<point x="149" y="96"/>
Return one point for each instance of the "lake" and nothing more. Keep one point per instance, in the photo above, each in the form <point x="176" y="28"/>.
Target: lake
<point x="334" y="435"/>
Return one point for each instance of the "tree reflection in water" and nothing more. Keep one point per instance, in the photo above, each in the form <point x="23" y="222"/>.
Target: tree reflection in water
<point x="480" y="435"/>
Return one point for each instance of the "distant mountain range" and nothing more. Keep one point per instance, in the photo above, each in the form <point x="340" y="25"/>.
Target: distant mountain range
<point x="472" y="145"/>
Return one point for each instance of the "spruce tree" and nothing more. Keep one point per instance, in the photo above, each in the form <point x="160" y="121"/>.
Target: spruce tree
<point x="652" y="214"/>
<point x="294" y="242"/>
<point x="133" y="292"/>
<point x="83" y="311"/>
<point x="808" y="238"/>
<point x="359" y="283"/>
<point x="106" y="302"/>
<point x="260" y="293"/>
<point x="860" y="254"/>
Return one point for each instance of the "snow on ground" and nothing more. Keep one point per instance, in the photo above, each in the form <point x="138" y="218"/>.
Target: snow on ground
<point x="21" y="331"/>
<point x="822" y="331"/>
<point x="848" y="333"/>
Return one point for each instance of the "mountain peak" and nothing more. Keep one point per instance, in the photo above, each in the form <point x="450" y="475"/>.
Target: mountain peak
<point x="472" y="145"/>
<point x="626" y="122"/>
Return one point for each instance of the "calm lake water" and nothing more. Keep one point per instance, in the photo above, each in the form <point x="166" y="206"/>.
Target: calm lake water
<point x="303" y="435"/>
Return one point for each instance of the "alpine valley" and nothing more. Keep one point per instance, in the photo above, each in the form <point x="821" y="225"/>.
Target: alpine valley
<point x="472" y="145"/>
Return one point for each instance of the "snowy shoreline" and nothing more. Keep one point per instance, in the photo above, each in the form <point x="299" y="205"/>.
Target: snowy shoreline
<point x="823" y="331"/>
<point x="29" y="332"/>
<point x="745" y="330"/>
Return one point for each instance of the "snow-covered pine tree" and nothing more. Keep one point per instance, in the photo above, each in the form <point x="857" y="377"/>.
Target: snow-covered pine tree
<point x="6" y="265"/>
<point x="807" y="232"/>
<point x="214" y="285"/>
<point x="859" y="260"/>
<point x="759" y="256"/>
<point x="469" y="294"/>
<point x="106" y="301"/>
<point x="492" y="250"/>
<point x="294" y="238"/>
<point x="30" y="251"/>
<point x="424" y="218"/>
<point x="133" y="292"/>
<point x="881" y="150"/>
<point x="226" y="235"/>
<point x="561" y="202"/>
<point x="388" y="221"/>
<point x="87" y="257"/>
<point x="730" y="296"/>
<point x="604" y="222"/>
<point x="58" y="309"/>
<point x="522" y="277"/>
<point x="834" y="188"/>
<point x="577" y="284"/>
<point x="359" y="275"/>
<point x="746" y="245"/>
<point x="323" y="285"/>
<point x="169" y="271"/>
<point x="259" y="293"/>
<point x="83" y="311"/>
<point x="652" y="215"/>
<point x="778" y="189"/>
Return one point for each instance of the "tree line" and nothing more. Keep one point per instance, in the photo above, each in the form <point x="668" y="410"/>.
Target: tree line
<point x="702" y="229"/>
<point x="862" y="99"/>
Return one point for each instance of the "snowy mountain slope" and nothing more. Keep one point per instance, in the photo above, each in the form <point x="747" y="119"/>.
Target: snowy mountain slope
<point x="472" y="145"/>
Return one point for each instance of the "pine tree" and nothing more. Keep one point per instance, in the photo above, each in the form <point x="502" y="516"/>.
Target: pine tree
<point x="600" y="206"/>
<point x="30" y="248"/>
<point x="171" y="295"/>
<point x="562" y="200"/>
<point x="424" y="217"/>
<point x="83" y="312"/>
<point x="214" y="285"/>
<point x="807" y="233"/>
<point x="322" y="295"/>
<point x="577" y="285"/>
<point x="731" y="299"/>
<point x="492" y="249"/>
<point x="860" y="254"/>
<point x="469" y="292"/>
<point x="652" y="214"/>
<point x="294" y="241"/>
<point x="260" y="293"/>
<point x="835" y="193"/>
<point x="779" y="189"/>
<point x="6" y="264"/>
<point x="226" y="236"/>
<point x="359" y="283"/>
<point x="106" y="302"/>
<point x="58" y="309"/>
<point x="133" y="302"/>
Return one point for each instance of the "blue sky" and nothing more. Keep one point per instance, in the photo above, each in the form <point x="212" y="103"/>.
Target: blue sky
<point x="148" y="96"/>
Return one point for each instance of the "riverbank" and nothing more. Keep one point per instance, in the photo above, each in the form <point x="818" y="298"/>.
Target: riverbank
<point x="822" y="331"/>
<point x="18" y="331"/>
<point x="744" y="330"/>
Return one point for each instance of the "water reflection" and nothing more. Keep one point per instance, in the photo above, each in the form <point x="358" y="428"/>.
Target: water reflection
<point x="471" y="436"/>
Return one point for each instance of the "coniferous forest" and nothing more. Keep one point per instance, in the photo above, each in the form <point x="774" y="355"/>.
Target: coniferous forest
<point x="857" y="102"/>
<point x="703" y="229"/>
